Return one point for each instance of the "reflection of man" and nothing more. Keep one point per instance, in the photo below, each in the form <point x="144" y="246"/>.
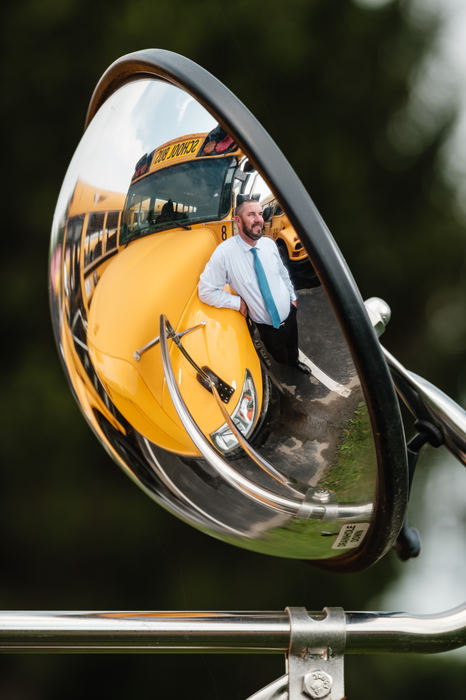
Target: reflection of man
<point x="251" y="264"/>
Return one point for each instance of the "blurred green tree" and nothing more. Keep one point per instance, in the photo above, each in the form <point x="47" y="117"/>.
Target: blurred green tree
<point x="333" y="85"/>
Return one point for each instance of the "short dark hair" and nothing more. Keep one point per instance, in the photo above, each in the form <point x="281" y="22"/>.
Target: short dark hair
<point x="243" y="199"/>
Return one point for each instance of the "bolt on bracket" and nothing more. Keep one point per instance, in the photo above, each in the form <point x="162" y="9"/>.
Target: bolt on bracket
<point x="316" y="654"/>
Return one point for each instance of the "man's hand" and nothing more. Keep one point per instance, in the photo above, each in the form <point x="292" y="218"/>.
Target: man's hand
<point x="243" y="309"/>
<point x="294" y="303"/>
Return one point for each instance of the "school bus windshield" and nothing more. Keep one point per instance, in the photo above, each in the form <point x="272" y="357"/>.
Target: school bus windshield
<point x="179" y="195"/>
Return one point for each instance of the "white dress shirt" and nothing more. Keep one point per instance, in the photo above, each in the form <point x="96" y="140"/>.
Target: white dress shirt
<point x="233" y="263"/>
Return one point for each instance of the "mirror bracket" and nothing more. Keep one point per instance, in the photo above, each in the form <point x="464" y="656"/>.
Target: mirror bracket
<point x="155" y="341"/>
<point x="408" y="543"/>
<point x="209" y="379"/>
<point x="316" y="654"/>
<point x="205" y="375"/>
<point x="315" y="658"/>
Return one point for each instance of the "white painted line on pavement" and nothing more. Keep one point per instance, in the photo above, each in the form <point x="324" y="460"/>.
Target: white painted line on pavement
<point x="323" y="378"/>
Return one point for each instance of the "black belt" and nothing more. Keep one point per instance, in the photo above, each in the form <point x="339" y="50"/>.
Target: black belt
<point x="281" y="324"/>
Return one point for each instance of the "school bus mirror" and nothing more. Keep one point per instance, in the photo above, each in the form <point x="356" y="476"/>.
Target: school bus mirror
<point x="292" y="448"/>
<point x="248" y="167"/>
<point x="267" y="213"/>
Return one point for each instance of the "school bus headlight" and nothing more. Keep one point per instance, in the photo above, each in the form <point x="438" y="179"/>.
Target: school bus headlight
<point x="244" y="417"/>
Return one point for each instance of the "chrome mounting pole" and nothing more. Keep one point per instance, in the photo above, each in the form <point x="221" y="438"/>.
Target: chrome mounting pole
<point x="313" y="642"/>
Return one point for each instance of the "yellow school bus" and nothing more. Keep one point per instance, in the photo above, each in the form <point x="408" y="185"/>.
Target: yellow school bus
<point x="178" y="208"/>
<point x="277" y="226"/>
<point x="94" y="215"/>
<point x="89" y="241"/>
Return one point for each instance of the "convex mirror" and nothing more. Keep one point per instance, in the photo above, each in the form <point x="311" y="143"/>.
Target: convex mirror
<point x="302" y="457"/>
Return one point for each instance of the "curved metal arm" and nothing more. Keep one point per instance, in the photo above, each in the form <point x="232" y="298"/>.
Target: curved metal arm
<point x="261" y="462"/>
<point x="425" y="401"/>
<point x="251" y="490"/>
<point x="171" y="486"/>
<point x="397" y="633"/>
<point x="303" y="508"/>
<point x="428" y="403"/>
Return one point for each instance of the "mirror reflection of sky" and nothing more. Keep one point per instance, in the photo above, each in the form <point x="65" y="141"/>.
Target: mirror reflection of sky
<point x="136" y="119"/>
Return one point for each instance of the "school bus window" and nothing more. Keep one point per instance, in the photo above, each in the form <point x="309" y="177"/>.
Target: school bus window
<point x="88" y="287"/>
<point x="111" y="230"/>
<point x="94" y="234"/>
<point x="278" y="210"/>
<point x="226" y="192"/>
<point x="179" y="195"/>
<point x="71" y="254"/>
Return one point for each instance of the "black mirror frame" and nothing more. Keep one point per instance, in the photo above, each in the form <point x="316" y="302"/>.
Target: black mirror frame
<point x="330" y="266"/>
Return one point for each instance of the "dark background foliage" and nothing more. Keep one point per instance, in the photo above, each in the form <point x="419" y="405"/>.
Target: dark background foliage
<point x="332" y="83"/>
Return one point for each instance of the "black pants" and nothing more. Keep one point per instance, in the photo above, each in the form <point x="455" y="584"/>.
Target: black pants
<point x="282" y="343"/>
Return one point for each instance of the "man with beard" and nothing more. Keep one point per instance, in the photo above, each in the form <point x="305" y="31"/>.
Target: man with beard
<point x="250" y="263"/>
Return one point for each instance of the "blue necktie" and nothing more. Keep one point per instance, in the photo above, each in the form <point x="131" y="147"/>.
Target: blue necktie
<point x="265" y="290"/>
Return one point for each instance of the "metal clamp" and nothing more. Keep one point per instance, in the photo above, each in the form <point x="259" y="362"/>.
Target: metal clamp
<point x="315" y="657"/>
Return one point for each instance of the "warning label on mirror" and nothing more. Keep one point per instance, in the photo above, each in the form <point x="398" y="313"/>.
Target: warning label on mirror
<point x="351" y="535"/>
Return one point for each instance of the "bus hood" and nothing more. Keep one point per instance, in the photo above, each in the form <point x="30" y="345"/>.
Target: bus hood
<point x="156" y="275"/>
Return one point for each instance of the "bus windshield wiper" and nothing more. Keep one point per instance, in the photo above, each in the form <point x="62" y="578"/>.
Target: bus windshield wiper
<point x="179" y="223"/>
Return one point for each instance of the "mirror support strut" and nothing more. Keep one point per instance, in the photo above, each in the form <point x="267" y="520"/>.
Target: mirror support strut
<point x="408" y="544"/>
<point x="438" y="419"/>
